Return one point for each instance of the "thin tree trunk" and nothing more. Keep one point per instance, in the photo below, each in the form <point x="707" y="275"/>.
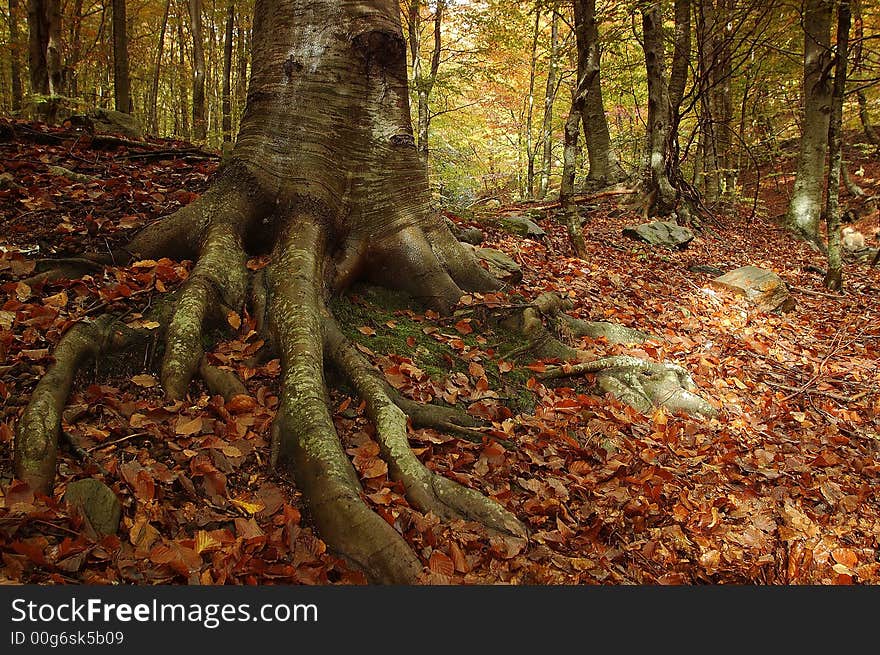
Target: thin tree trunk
<point x="154" y="93"/>
<point x="121" y="82"/>
<point x="199" y="116"/>
<point x="530" y="110"/>
<point x="834" y="277"/>
<point x="549" y="97"/>
<point x="15" y="61"/>
<point x="71" y="76"/>
<point x="184" y="96"/>
<point x="858" y="68"/>
<point x="569" y="166"/>
<point x="227" y="72"/>
<point x="805" y="206"/>
<point x="604" y="164"/>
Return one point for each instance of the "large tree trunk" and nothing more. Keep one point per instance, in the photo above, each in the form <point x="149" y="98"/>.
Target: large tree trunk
<point x="44" y="50"/>
<point x="604" y="164"/>
<point x="834" y="277"/>
<point x="121" y="82"/>
<point x="659" y="110"/>
<point x="326" y="177"/>
<point x="805" y="206"/>
<point x="199" y="116"/>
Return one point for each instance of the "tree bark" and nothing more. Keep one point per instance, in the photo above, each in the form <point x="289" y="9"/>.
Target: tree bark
<point x="15" y="61"/>
<point x="549" y="98"/>
<point x="531" y="152"/>
<point x="121" y="82"/>
<point x="44" y="55"/>
<point x="154" y="92"/>
<point x="227" y="72"/>
<point x="659" y="110"/>
<point x="834" y="277"/>
<point x="184" y="95"/>
<point x="199" y="117"/>
<point x="325" y="173"/>
<point x="805" y="206"/>
<point x="423" y="83"/>
<point x="604" y="165"/>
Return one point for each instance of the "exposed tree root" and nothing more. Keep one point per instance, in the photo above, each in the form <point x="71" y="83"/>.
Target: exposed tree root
<point x="221" y="381"/>
<point x="304" y="438"/>
<point x="36" y="441"/>
<point x="427" y="491"/>
<point x="640" y="383"/>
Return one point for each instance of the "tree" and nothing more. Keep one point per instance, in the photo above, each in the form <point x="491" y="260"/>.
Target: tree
<point x="154" y="93"/>
<point x="121" y="82"/>
<point x="15" y="67"/>
<point x="325" y="177"/>
<point x="44" y="46"/>
<point x="227" y="71"/>
<point x="199" y="118"/>
<point x="604" y="164"/>
<point x="834" y="276"/>
<point x="423" y="83"/>
<point x="663" y="176"/>
<point x="805" y="206"/>
<point x="549" y="98"/>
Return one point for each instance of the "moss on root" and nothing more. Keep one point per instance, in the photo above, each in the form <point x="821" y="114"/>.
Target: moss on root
<point x="375" y="307"/>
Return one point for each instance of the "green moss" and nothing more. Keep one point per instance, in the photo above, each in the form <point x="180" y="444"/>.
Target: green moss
<point x="372" y="307"/>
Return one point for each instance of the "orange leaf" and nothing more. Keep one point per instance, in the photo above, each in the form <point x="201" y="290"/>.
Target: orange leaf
<point x="440" y="563"/>
<point x="240" y="403"/>
<point x="187" y="427"/>
<point x="845" y="556"/>
<point x="464" y="326"/>
<point x="368" y="331"/>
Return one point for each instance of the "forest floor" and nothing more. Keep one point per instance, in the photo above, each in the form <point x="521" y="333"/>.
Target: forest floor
<point x="779" y="488"/>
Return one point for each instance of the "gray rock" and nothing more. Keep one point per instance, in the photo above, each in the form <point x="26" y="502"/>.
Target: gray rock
<point x="107" y="121"/>
<point x="520" y="225"/>
<point x="660" y="233"/>
<point x="500" y="264"/>
<point x="96" y="503"/>
<point x="471" y="235"/>
<point x="762" y="287"/>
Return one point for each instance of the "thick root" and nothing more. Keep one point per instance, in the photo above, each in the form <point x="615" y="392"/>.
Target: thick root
<point x="36" y="441"/>
<point x="218" y="280"/>
<point x="427" y="491"/>
<point x="304" y="438"/>
<point x="221" y="381"/>
<point x="640" y="383"/>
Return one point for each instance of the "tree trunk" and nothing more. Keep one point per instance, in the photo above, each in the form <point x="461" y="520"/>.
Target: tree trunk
<point x="530" y="110"/>
<point x="569" y="166"/>
<point x="227" y="72"/>
<point x="604" y="165"/>
<point x="184" y="96"/>
<point x="805" y="206"/>
<point x="15" y="62"/>
<point x="121" y="82"/>
<point x="549" y="97"/>
<point x="859" y="68"/>
<point x="834" y="277"/>
<point x="659" y="110"/>
<point x="324" y="173"/>
<point x="199" y="117"/>
<point x="154" y="93"/>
